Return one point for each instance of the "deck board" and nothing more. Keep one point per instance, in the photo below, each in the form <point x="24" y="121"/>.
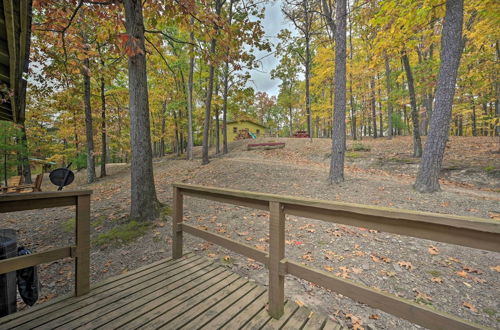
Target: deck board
<point x="187" y="293"/>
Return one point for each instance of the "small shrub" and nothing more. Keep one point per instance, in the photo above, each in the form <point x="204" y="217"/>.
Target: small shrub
<point x="123" y="233"/>
<point x="434" y="273"/>
<point x="489" y="168"/>
<point x="358" y="146"/>
<point x="352" y="154"/>
<point x="69" y="225"/>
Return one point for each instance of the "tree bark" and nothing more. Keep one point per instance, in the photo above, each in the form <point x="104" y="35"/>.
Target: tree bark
<point x="144" y="204"/>
<point x="389" y="99"/>
<point x="451" y="51"/>
<point x="103" y="130"/>
<point x="307" y="66"/>
<point x="208" y="101"/>
<point x="372" y="104"/>
<point x="190" y="97"/>
<point x="338" y="138"/>
<point x="88" y="122"/>
<point x="226" y="89"/>
<point x="417" y="142"/>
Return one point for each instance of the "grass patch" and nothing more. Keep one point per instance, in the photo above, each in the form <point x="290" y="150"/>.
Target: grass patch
<point x="165" y="211"/>
<point x="423" y="301"/>
<point x="434" y="273"/>
<point x="353" y="155"/>
<point x="360" y="147"/>
<point x="489" y="311"/>
<point x="123" y="233"/>
<point x="69" y="225"/>
<point x="489" y="168"/>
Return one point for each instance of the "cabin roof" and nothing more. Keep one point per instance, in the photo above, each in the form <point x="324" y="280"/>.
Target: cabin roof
<point x="15" y="34"/>
<point x="245" y="120"/>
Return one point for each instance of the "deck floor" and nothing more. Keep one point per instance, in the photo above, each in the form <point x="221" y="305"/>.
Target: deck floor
<point x="189" y="293"/>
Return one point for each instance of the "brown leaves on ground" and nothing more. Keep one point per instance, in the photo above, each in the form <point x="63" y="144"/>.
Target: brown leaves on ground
<point x="405" y="264"/>
<point x="308" y="256"/>
<point x="376" y="258"/>
<point x="374" y="317"/>
<point x="433" y="250"/>
<point x="437" y="280"/>
<point x="470" y="306"/>
<point x="496" y="268"/>
<point x="494" y="215"/>
<point x="356" y="322"/>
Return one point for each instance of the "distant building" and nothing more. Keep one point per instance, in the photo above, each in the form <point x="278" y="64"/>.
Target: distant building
<point x="243" y="129"/>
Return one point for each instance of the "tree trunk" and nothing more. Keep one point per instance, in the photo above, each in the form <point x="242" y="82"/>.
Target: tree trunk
<point x="144" y="204"/>
<point x="226" y="89"/>
<point x="352" y="104"/>
<point x="451" y="51"/>
<point x="163" y="128"/>
<point x="372" y="104"/>
<point x="338" y="139"/>
<point x="103" y="130"/>
<point x="417" y="142"/>
<point x="190" y="98"/>
<point x="208" y="101"/>
<point x="389" y="97"/>
<point x="88" y="122"/>
<point x="307" y="65"/>
<point x="26" y="169"/>
<point x="380" y="115"/>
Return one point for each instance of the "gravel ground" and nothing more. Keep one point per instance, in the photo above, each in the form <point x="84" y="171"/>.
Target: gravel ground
<point x="436" y="274"/>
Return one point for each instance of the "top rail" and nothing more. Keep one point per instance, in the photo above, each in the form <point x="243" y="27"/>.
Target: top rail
<point x="81" y="252"/>
<point x="466" y="231"/>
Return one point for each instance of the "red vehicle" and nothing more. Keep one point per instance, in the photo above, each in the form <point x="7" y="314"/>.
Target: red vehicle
<point x="301" y="134"/>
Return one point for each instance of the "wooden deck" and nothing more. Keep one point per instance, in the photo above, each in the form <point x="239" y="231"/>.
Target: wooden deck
<point x="190" y="293"/>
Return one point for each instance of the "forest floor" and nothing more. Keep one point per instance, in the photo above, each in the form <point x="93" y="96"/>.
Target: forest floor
<point x="457" y="280"/>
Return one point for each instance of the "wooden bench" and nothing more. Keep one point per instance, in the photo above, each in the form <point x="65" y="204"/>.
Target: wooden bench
<point x="14" y="185"/>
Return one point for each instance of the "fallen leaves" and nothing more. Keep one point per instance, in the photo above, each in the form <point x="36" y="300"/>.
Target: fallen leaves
<point x="376" y="258"/>
<point x="433" y="250"/>
<point x="356" y="322"/>
<point x="374" y="317"/>
<point x="470" y="306"/>
<point x="308" y="256"/>
<point x="328" y="268"/>
<point x="496" y="268"/>
<point x="405" y="264"/>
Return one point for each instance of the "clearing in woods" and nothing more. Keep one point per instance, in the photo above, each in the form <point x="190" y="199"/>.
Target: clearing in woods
<point x="457" y="280"/>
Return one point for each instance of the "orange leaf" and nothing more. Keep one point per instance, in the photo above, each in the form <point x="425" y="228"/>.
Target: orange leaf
<point x="374" y="317"/>
<point x="470" y="306"/>
<point x="462" y="274"/>
<point x="496" y="268"/>
<point x="437" y="279"/>
<point x="433" y="250"/>
<point x="328" y="268"/>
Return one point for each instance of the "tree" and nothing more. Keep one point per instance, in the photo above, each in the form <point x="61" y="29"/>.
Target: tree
<point x="451" y="51"/>
<point x="417" y="142"/>
<point x="338" y="137"/>
<point x="301" y="14"/>
<point x="144" y="204"/>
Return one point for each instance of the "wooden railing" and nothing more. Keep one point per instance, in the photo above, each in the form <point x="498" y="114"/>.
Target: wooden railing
<point x="81" y="251"/>
<point x="465" y="231"/>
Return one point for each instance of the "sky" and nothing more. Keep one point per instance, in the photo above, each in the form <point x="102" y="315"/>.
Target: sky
<point x="273" y="22"/>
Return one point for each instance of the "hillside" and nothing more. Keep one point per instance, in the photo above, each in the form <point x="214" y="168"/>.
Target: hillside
<point x="446" y="278"/>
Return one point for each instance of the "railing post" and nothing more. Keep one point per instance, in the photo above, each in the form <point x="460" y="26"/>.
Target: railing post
<point x="276" y="254"/>
<point x="177" y="224"/>
<point x="82" y="262"/>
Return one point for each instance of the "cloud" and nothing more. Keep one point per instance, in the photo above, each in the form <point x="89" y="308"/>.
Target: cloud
<point x="273" y="22"/>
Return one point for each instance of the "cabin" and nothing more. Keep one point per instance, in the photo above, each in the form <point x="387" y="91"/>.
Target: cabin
<point x="236" y="130"/>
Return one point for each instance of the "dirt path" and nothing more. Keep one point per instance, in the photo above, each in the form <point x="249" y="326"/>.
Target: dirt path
<point x="439" y="275"/>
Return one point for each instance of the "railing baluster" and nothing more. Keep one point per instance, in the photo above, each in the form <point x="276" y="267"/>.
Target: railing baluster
<point x="177" y="224"/>
<point x="276" y="254"/>
<point x="82" y="262"/>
